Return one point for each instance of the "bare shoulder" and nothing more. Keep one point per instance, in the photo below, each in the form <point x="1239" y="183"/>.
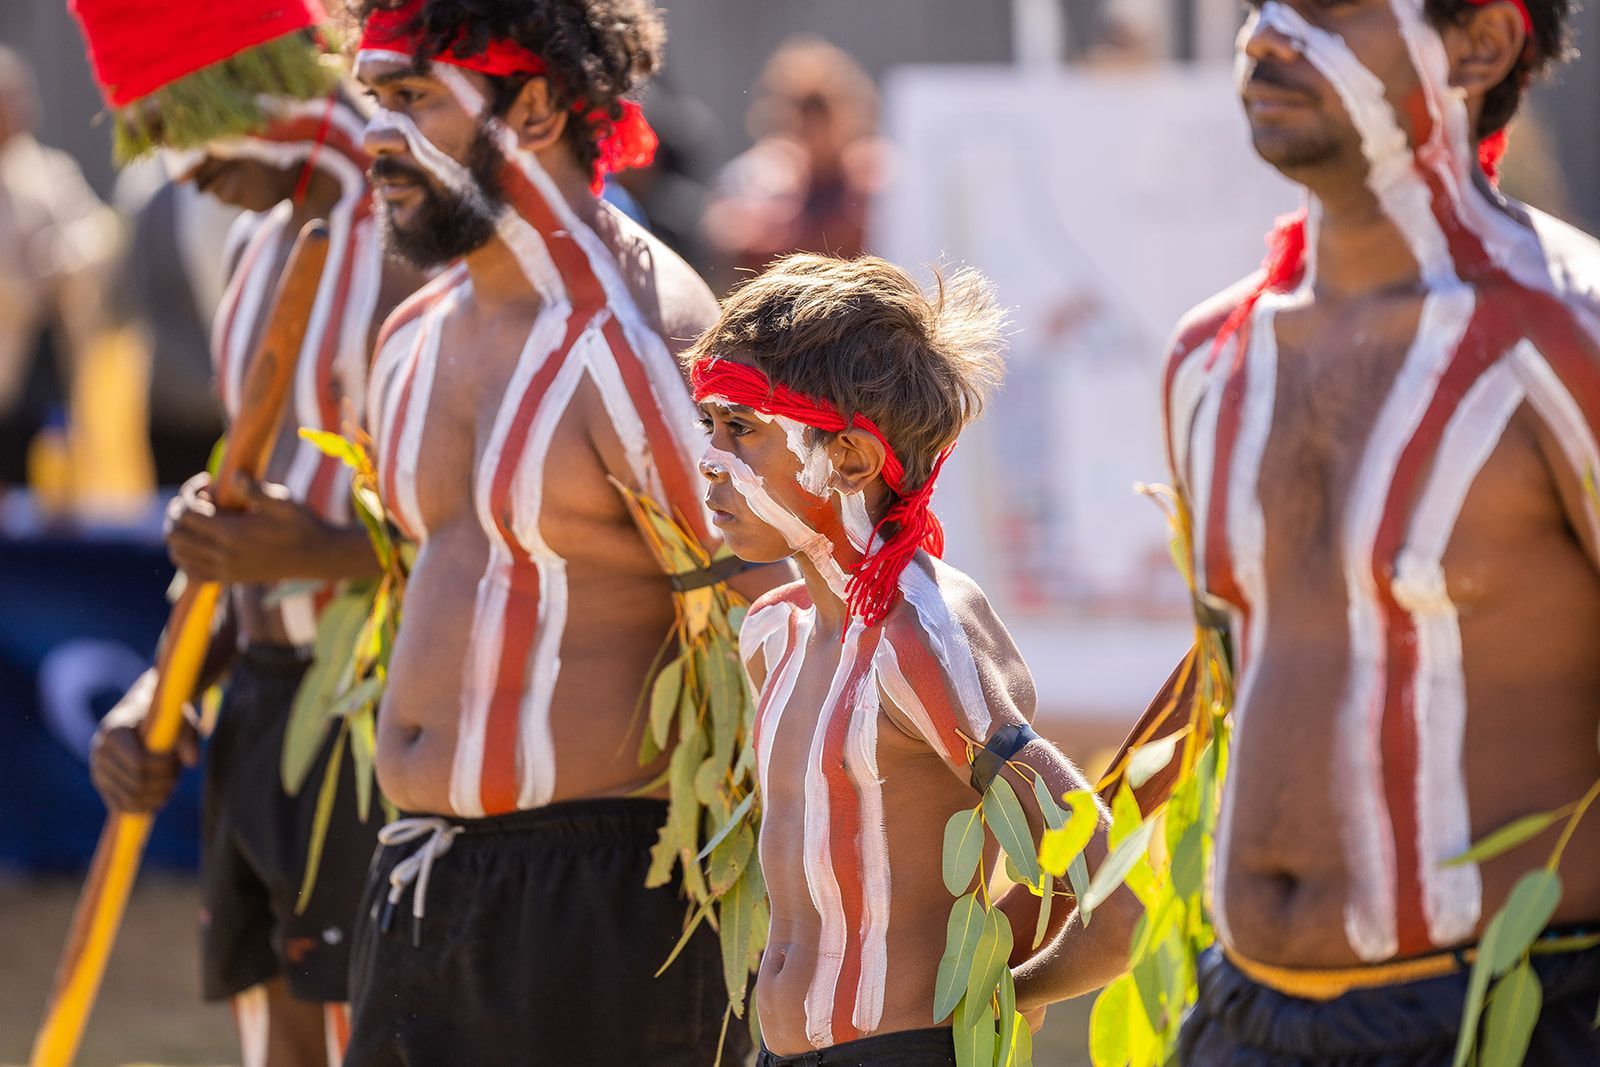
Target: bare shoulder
<point x="791" y="595"/>
<point x="1572" y="258"/>
<point x="674" y="300"/>
<point x="1201" y="322"/>
<point x="946" y="614"/>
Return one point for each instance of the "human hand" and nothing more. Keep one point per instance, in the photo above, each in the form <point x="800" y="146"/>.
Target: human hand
<point x="129" y="777"/>
<point x="273" y="538"/>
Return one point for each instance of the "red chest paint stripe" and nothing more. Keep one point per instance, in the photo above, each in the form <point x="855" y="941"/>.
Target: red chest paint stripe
<point x="926" y="677"/>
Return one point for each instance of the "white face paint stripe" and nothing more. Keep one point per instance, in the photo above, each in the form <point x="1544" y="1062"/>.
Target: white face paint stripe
<point x="1370" y="912"/>
<point x="1392" y="172"/>
<point x="1451" y="896"/>
<point x="948" y="641"/>
<point x="799" y="537"/>
<point x="861" y="762"/>
<point x="250" y="1016"/>
<point x="452" y="175"/>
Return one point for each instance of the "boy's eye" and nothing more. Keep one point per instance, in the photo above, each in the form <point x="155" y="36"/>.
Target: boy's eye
<point x="738" y="429"/>
<point x="706" y="424"/>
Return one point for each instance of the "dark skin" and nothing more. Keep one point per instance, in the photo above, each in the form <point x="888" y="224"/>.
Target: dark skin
<point x="619" y="605"/>
<point x="1520" y="555"/>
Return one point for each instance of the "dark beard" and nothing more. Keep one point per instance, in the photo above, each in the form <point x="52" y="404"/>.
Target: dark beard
<point x="446" y="225"/>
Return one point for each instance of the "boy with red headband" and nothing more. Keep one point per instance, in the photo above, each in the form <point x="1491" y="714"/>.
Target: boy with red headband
<point x="833" y="391"/>
<point x="242" y="100"/>
<point x="507" y="918"/>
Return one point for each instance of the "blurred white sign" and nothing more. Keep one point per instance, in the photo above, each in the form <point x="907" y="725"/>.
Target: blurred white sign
<point x="1103" y="206"/>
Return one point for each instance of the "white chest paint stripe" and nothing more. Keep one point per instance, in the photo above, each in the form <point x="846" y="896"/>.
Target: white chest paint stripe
<point x="1370" y="913"/>
<point x="1555" y="406"/>
<point x="1452" y="896"/>
<point x="861" y="763"/>
<point x="948" y="641"/>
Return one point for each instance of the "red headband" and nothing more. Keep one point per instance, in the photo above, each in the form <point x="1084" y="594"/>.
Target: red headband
<point x="631" y="142"/>
<point x="1522" y="9"/>
<point x="875" y="581"/>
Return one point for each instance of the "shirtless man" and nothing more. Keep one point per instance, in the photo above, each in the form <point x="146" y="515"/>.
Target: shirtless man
<point x="833" y="390"/>
<point x="507" y="916"/>
<point x="284" y="972"/>
<point x="1383" y="443"/>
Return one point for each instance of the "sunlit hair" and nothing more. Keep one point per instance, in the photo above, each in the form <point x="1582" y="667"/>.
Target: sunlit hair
<point x="863" y="335"/>
<point x="1551" y="45"/>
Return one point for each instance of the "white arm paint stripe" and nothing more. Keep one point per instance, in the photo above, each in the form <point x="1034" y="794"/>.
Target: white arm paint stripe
<point x="782" y="688"/>
<point x="1370" y="912"/>
<point x="861" y="762"/>
<point x="1188" y="386"/>
<point x="1203" y="458"/>
<point x="1247" y="529"/>
<point x="886" y="667"/>
<point x="1452" y="897"/>
<point x="408" y="453"/>
<point x="396" y="360"/>
<point x="948" y="642"/>
<point x="308" y="364"/>
<point x="624" y="417"/>
<point x="1553" y="403"/>
<point x="820" y="878"/>
<point x="261" y="254"/>
<point x="762" y="624"/>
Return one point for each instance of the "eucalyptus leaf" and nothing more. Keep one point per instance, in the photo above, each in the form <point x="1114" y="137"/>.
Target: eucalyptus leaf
<point x="320" y="819"/>
<point x="963" y="848"/>
<point x="1149" y="759"/>
<point x="729" y="859"/>
<point x="1046" y="899"/>
<point x="1003" y="812"/>
<point x="331" y="444"/>
<point x="664" y="701"/>
<point x="1054" y="815"/>
<point x="1022" y="1045"/>
<point x="1125" y="817"/>
<point x="363" y="743"/>
<point x="1109" y="1024"/>
<point x="1506" y="838"/>
<point x="965" y="927"/>
<point x="737" y="926"/>
<point x="1188" y="863"/>
<point x="1527" y="911"/>
<point x="1513" y="1012"/>
<point x="974" y="1035"/>
<point x="1116" y="867"/>
<point x="309" y="714"/>
<point x="734" y="819"/>
<point x="1006" y="1010"/>
<point x="1059" y="846"/>
<point x="1078" y="879"/>
<point x="989" y="957"/>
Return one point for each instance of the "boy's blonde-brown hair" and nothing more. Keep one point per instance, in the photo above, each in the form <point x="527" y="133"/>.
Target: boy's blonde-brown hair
<point x="863" y="335"/>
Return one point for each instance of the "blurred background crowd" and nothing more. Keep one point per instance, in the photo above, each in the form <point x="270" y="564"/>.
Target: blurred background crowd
<point x="1087" y="154"/>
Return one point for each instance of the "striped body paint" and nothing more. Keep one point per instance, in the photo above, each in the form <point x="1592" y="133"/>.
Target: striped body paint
<point x="1506" y="327"/>
<point x="589" y="329"/>
<point x="332" y="366"/>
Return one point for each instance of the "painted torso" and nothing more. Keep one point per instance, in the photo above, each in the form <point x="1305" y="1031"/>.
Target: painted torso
<point x="862" y="759"/>
<point x="330" y="378"/>
<point x="534" y="611"/>
<point x="1380" y="515"/>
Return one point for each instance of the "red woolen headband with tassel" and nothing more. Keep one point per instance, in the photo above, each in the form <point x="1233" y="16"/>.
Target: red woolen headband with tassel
<point x="875" y="581"/>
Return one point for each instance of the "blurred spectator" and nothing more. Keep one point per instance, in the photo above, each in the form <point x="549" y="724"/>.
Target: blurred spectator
<point x="58" y="245"/>
<point x="669" y="196"/>
<point x="816" y="163"/>
<point x="173" y="279"/>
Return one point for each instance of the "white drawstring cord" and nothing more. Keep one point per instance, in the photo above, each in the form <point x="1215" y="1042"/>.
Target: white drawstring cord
<point x="441" y="834"/>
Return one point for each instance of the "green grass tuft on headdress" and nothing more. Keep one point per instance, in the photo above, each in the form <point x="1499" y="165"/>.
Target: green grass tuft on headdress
<point x="223" y="99"/>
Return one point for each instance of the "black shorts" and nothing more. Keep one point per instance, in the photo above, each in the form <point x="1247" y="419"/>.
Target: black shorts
<point x="254" y="842"/>
<point x="905" y="1048"/>
<point x="1240" y="1023"/>
<point x="538" y="944"/>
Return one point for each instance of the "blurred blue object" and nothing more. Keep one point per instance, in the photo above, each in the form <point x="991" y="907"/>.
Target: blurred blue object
<point x="79" y="619"/>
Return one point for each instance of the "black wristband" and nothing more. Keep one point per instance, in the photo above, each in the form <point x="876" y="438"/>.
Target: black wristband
<point x="1003" y="744"/>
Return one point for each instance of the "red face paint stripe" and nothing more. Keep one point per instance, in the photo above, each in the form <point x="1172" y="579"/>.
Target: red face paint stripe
<point x="675" y="469"/>
<point x="844" y="834"/>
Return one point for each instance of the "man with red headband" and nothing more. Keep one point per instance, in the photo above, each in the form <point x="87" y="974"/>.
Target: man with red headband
<point x="242" y="101"/>
<point x="890" y="695"/>
<point x="1387" y="443"/>
<point x="507" y="918"/>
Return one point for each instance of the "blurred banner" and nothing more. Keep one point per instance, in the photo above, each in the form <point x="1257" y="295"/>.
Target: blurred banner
<point x="1103" y="206"/>
<point x="79" y="620"/>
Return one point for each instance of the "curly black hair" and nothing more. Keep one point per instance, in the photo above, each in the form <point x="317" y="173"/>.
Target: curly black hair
<point x="1550" y="45"/>
<point x="596" y="51"/>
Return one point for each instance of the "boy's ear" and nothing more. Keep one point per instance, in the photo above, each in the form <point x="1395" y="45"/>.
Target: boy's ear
<point x="857" y="459"/>
<point x="534" y="118"/>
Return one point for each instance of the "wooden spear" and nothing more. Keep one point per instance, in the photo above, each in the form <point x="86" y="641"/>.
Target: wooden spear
<point x="188" y="635"/>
